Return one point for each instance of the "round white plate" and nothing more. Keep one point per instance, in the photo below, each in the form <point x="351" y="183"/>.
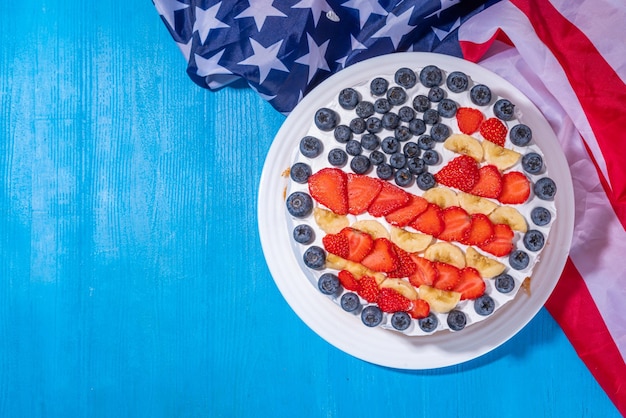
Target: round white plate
<point x="377" y="345"/>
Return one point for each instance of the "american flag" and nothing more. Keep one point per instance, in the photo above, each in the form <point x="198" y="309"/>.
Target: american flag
<point x="567" y="57"/>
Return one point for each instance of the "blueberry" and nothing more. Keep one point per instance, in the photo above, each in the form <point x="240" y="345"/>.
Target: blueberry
<point x="457" y="82"/>
<point x="402" y="133"/>
<point x="519" y="260"/>
<point x="342" y="133"/>
<point x="314" y="257"/>
<point x="348" y="98"/>
<point x="411" y="150"/>
<point x="396" y="95"/>
<point x="360" y="164"/>
<point x="456" y="320"/>
<point x="377" y="157"/>
<point x="390" y="145"/>
<point x="390" y="121"/>
<point x="480" y="95"/>
<point x="372" y="316"/>
<point x="484" y="305"/>
<point x="504" y="109"/>
<point x="447" y="108"/>
<point x="431" y="116"/>
<point x="397" y="160"/>
<point x="370" y="142"/>
<point x="326" y="119"/>
<point x="436" y="94"/>
<point x="425" y="142"/>
<point x="545" y="188"/>
<point x="532" y="163"/>
<point x="431" y="157"/>
<point x="520" y="135"/>
<point x="303" y="234"/>
<point x="299" y="204"/>
<point x="405" y="77"/>
<point x="439" y="132"/>
<point x="300" y="172"/>
<point x="329" y="284"/>
<point x="350" y="302"/>
<point x="400" y="320"/>
<point x="416" y="165"/>
<point x="404" y="177"/>
<point x="504" y="283"/>
<point x="357" y="125"/>
<point x="384" y="171"/>
<point x="310" y="146"/>
<point x="540" y="216"/>
<point x="431" y="76"/>
<point x="378" y="86"/>
<point x="428" y="324"/>
<point x="421" y="103"/>
<point x="353" y="147"/>
<point x="337" y="157"/>
<point x="534" y="240"/>
<point x="373" y="125"/>
<point x="406" y="114"/>
<point x="417" y="126"/>
<point x="364" y="109"/>
<point x="425" y="181"/>
<point x="382" y="105"/>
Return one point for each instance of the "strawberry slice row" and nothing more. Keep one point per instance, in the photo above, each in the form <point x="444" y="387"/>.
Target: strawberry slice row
<point x="470" y="120"/>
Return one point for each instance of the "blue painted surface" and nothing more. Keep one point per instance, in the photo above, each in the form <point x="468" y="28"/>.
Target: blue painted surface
<point x="132" y="281"/>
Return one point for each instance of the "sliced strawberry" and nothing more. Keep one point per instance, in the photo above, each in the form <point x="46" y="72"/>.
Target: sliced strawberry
<point x="481" y="230"/>
<point x="348" y="281"/>
<point x="469" y="119"/>
<point x="461" y="172"/>
<point x="471" y="285"/>
<point x="515" y="188"/>
<point x="430" y="221"/>
<point x="405" y="267"/>
<point x="406" y="214"/>
<point x="390" y="300"/>
<point x="419" y="309"/>
<point x="368" y="289"/>
<point x="336" y="244"/>
<point x="425" y="271"/>
<point x="489" y="182"/>
<point x="389" y="199"/>
<point x="362" y="190"/>
<point x="494" y="130"/>
<point x="449" y="276"/>
<point x="359" y="243"/>
<point x="502" y="242"/>
<point x="382" y="257"/>
<point x="329" y="186"/>
<point x="456" y="224"/>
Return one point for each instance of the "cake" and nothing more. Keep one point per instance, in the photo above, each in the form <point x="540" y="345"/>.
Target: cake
<point x="419" y="200"/>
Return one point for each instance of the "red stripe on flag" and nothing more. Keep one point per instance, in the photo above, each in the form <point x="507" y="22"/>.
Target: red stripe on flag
<point x="598" y="87"/>
<point x="573" y="308"/>
<point x="473" y="52"/>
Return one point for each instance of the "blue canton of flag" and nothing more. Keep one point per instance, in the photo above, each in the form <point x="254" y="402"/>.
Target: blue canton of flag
<point x="284" y="48"/>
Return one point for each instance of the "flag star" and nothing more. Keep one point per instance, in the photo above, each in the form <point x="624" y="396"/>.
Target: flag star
<point x="211" y="66"/>
<point x="167" y="8"/>
<point x="317" y="8"/>
<point x="260" y="10"/>
<point x="206" y="21"/>
<point x="395" y="27"/>
<point x="365" y="9"/>
<point x="265" y="58"/>
<point x="444" y="4"/>
<point x="186" y="48"/>
<point x="442" y="33"/>
<point x="315" y="57"/>
<point x="355" y="46"/>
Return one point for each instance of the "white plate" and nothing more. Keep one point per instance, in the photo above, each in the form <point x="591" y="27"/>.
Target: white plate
<point x="377" y="345"/>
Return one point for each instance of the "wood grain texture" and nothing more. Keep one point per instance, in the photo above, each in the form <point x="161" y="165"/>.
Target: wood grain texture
<point x="132" y="280"/>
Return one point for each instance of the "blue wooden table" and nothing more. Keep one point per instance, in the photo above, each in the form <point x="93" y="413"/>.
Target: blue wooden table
<point x="132" y="280"/>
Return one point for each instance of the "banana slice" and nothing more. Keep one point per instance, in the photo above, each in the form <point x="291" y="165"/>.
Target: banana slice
<point x="486" y="266"/>
<point x="440" y="301"/>
<point x="328" y="221"/>
<point x="501" y="157"/>
<point x="401" y="286"/>
<point x="465" y="144"/>
<point x="441" y="196"/>
<point x="372" y="227"/>
<point x="358" y="270"/>
<point x="476" y="204"/>
<point x="445" y="252"/>
<point x="510" y="216"/>
<point x="411" y="242"/>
